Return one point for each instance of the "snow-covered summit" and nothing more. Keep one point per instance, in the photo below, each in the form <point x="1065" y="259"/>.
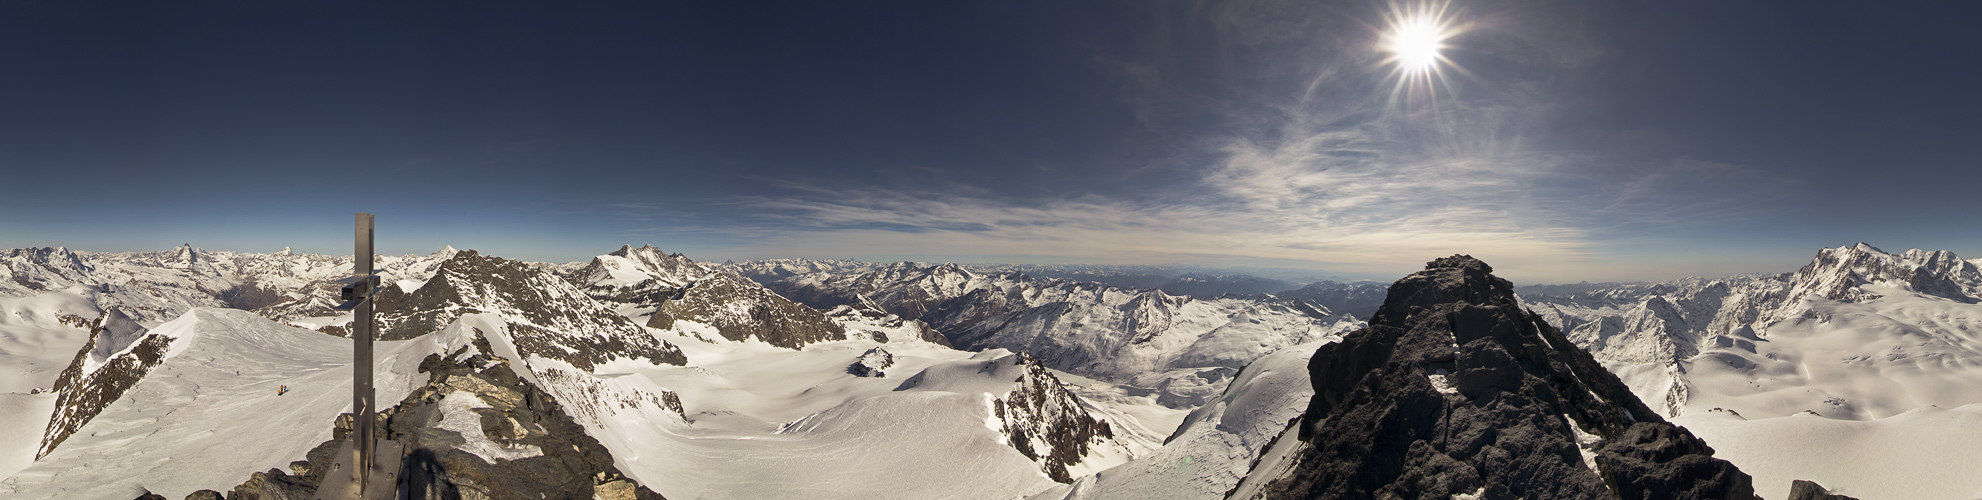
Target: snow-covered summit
<point x="1841" y="273"/>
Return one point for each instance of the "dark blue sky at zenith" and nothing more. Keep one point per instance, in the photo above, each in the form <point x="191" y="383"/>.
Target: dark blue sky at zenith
<point x="1567" y="141"/>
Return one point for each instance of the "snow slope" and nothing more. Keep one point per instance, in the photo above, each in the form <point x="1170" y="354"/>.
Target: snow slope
<point x="193" y="423"/>
<point x="1856" y="334"/>
<point x="39" y="334"/>
<point x="1180" y="348"/>
<point x="1217" y="443"/>
<point x="1926" y="453"/>
<point x="786" y="423"/>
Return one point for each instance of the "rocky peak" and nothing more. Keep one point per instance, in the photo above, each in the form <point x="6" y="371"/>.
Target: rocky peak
<point x="547" y="316"/>
<point x="1453" y="389"/>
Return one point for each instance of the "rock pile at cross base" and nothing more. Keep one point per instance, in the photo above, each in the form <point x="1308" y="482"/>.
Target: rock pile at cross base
<point x="1453" y="390"/>
<point x="541" y="452"/>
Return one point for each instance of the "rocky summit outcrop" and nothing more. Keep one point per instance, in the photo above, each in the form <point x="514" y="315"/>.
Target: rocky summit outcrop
<point x="1046" y="422"/>
<point x="871" y="363"/>
<point x="475" y="430"/>
<point x="1454" y="390"/>
<point x="1806" y="490"/>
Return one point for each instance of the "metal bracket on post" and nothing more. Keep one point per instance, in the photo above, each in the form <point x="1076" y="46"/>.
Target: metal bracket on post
<point x="366" y="467"/>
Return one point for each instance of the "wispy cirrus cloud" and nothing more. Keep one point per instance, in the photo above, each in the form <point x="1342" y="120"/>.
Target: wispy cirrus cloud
<point x="1318" y="166"/>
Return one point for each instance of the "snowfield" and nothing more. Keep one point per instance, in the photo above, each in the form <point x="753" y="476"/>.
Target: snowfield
<point x="1924" y="453"/>
<point x="194" y="423"/>
<point x="1216" y="444"/>
<point x="769" y="422"/>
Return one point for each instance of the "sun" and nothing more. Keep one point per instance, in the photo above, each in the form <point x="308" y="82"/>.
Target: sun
<point x="1414" y="43"/>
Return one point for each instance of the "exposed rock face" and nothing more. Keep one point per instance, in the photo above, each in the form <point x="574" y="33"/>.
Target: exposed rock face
<point x="118" y="354"/>
<point x="871" y="363"/>
<point x="547" y="316"/>
<point x="1452" y="389"/>
<point x="1807" y="490"/>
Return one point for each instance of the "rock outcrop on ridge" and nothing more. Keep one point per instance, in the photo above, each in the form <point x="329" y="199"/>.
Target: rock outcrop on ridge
<point x="1454" y="390"/>
<point x="1037" y="414"/>
<point x="118" y="354"/>
<point x="476" y="430"/>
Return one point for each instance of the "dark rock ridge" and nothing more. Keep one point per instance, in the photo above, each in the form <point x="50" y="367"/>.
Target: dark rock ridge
<point x="117" y="355"/>
<point x="1452" y="389"/>
<point x="543" y="452"/>
<point x="546" y="316"/>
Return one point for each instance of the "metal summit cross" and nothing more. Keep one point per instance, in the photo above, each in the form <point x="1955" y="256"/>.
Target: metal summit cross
<point x="366" y="467"/>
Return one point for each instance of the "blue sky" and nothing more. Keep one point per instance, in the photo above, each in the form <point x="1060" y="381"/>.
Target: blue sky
<point x="1568" y="140"/>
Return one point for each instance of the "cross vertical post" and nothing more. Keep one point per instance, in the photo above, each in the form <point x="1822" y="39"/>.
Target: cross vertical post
<point x="366" y="466"/>
<point x="361" y="355"/>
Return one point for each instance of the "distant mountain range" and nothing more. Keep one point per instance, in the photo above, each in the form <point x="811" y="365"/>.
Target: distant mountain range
<point x="641" y="373"/>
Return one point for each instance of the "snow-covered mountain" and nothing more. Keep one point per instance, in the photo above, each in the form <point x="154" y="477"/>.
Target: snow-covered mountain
<point x="1216" y="444"/>
<point x="670" y="291"/>
<point x="1776" y="345"/>
<point x="1213" y="285"/>
<point x="1180" y="349"/>
<point x="154" y="287"/>
<point x="628" y="375"/>
<point x="1859" y="339"/>
<point x="1359" y="299"/>
<point x="519" y="365"/>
